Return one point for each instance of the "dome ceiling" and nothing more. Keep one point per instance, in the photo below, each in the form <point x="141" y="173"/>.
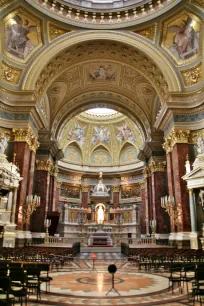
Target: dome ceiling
<point x="101" y="140"/>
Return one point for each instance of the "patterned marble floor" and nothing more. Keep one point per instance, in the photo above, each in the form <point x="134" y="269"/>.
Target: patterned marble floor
<point x="78" y="284"/>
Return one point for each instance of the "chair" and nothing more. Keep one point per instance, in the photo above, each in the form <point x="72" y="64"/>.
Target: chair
<point x="175" y="275"/>
<point x="33" y="281"/>
<point x="45" y="278"/>
<point x="188" y="274"/>
<point x="5" y="297"/>
<point x="198" y="286"/>
<point x="18" y="288"/>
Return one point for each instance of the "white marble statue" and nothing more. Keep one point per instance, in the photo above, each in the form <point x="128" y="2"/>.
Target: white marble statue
<point x="3" y="143"/>
<point x="200" y="144"/>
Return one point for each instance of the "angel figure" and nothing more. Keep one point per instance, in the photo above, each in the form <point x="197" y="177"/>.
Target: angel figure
<point x="186" y="40"/>
<point x="18" y="41"/>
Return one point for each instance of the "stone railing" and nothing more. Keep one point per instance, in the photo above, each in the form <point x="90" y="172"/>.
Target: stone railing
<point x="60" y="240"/>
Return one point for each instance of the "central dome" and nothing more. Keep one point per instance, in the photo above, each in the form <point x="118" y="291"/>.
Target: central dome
<point x="101" y="111"/>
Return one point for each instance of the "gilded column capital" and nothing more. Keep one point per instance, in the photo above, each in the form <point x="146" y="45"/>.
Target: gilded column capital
<point x="44" y="165"/>
<point x="25" y="135"/>
<point x="59" y="184"/>
<point x="85" y="188"/>
<point x="157" y="166"/>
<point x="175" y="136"/>
<point x="54" y="171"/>
<point x="146" y="172"/>
<point x="142" y="185"/>
<point x="116" y="188"/>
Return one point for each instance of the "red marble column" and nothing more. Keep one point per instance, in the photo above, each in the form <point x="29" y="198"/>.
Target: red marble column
<point x="57" y="194"/>
<point x="116" y="191"/>
<point x="170" y="177"/>
<point x="43" y="188"/>
<point x="22" y="151"/>
<point x="31" y="173"/>
<point x="85" y="197"/>
<point x="149" y="197"/>
<point x="158" y="191"/>
<point x="179" y="153"/>
<point x="143" y="214"/>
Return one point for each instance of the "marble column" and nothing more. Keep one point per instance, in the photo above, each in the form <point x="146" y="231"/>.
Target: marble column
<point x="170" y="185"/>
<point x="158" y="191"/>
<point x="85" y="196"/>
<point x="43" y="188"/>
<point x="53" y="186"/>
<point x="143" y="208"/>
<point x="193" y="216"/>
<point x="116" y="190"/>
<point x="179" y="153"/>
<point x="57" y="194"/>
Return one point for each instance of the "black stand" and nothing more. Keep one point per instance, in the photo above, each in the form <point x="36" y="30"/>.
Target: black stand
<point x="93" y="267"/>
<point x="113" y="288"/>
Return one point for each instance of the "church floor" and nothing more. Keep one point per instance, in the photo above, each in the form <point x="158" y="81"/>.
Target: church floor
<point x="81" y="283"/>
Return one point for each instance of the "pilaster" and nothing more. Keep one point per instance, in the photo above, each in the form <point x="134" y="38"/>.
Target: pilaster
<point x="85" y="195"/>
<point x="116" y="193"/>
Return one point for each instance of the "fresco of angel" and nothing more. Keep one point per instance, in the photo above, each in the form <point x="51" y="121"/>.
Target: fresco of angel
<point x="185" y="42"/>
<point x="125" y="133"/>
<point x="101" y="134"/>
<point x="18" y="42"/>
<point x="78" y="134"/>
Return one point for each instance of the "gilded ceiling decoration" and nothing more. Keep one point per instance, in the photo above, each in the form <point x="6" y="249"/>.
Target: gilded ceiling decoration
<point x="181" y="37"/>
<point x="106" y="15"/>
<point x="193" y="75"/>
<point x="149" y="32"/>
<point x="110" y="140"/>
<point x="101" y="58"/>
<point x="55" y="31"/>
<point x="10" y="74"/>
<point x="22" y="35"/>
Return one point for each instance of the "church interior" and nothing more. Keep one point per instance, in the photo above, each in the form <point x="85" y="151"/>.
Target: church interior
<point x="102" y="152"/>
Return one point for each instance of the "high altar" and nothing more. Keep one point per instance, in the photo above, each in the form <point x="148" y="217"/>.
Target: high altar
<point x="100" y="224"/>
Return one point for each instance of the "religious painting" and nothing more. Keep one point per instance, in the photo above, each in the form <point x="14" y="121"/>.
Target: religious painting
<point x="132" y="191"/>
<point x="69" y="191"/>
<point x="100" y="134"/>
<point x="77" y="133"/>
<point x="72" y="154"/>
<point x="101" y="157"/>
<point x="181" y="37"/>
<point x="125" y="133"/>
<point x="22" y="35"/>
<point x="128" y="155"/>
<point x="102" y="72"/>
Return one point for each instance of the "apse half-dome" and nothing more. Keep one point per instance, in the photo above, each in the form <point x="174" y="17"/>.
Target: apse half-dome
<point x="101" y="138"/>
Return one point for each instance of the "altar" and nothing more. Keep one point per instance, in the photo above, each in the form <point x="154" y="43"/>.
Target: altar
<point x="100" y="239"/>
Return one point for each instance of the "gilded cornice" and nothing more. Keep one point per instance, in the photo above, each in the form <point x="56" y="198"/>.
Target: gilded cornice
<point x="198" y="3"/>
<point x="175" y="136"/>
<point x="44" y="165"/>
<point x="10" y="73"/>
<point x="55" y="31"/>
<point x="25" y="135"/>
<point x="108" y="17"/>
<point x="193" y="75"/>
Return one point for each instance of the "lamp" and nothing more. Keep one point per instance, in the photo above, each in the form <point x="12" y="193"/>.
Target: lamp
<point x="32" y="202"/>
<point x="170" y="206"/>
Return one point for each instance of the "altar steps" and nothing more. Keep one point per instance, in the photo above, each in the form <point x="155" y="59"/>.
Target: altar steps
<point x="102" y="249"/>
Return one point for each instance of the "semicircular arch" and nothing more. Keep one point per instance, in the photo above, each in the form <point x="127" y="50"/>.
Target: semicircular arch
<point x="157" y="59"/>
